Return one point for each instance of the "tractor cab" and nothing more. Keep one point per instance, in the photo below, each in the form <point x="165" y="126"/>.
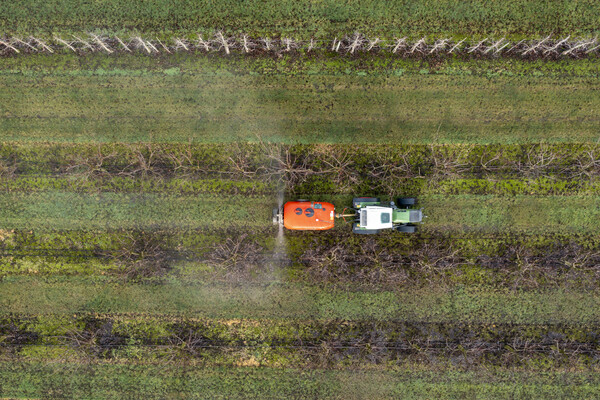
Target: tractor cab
<point x="376" y="217"/>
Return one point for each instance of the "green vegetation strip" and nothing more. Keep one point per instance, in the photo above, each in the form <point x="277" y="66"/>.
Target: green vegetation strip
<point x="104" y="380"/>
<point x="82" y="183"/>
<point x="67" y="210"/>
<point x="57" y="210"/>
<point x="272" y="300"/>
<point x="316" y="184"/>
<point x="305" y="18"/>
<point x="324" y="109"/>
<point x="376" y="64"/>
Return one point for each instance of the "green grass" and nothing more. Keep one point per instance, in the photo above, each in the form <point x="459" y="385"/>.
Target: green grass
<point x="305" y="18"/>
<point x="100" y="381"/>
<point x="58" y="295"/>
<point x="523" y="213"/>
<point x="361" y="64"/>
<point x="60" y="210"/>
<point x="291" y="109"/>
<point x="82" y="183"/>
<point x="256" y="186"/>
<point x="68" y="210"/>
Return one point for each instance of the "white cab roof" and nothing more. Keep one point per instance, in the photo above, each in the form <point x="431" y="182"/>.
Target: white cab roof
<point x="376" y="217"/>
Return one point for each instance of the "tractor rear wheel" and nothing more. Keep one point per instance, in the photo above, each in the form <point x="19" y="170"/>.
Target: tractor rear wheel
<point x="357" y="200"/>
<point x="406" y="201"/>
<point x="357" y="230"/>
<point x="407" y="228"/>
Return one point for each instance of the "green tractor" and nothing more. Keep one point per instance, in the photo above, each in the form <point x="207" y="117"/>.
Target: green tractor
<point x="373" y="215"/>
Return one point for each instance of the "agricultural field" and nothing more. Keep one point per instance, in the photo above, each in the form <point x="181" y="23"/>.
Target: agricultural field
<point x="137" y="249"/>
<point x="305" y="17"/>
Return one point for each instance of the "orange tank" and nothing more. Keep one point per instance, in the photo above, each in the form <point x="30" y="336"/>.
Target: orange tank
<point x="308" y="215"/>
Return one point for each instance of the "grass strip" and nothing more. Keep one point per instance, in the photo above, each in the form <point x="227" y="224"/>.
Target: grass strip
<point x="29" y="295"/>
<point x="82" y="183"/>
<point x="305" y="18"/>
<point x="292" y="109"/>
<point x="57" y="210"/>
<point x="106" y="380"/>
<point x="68" y="210"/>
<point x="375" y="64"/>
<point x="320" y="184"/>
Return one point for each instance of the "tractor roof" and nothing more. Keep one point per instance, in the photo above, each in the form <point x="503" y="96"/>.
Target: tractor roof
<point x="376" y="217"/>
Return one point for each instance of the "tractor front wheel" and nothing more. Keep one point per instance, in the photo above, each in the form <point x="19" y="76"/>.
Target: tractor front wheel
<point x="406" y="201"/>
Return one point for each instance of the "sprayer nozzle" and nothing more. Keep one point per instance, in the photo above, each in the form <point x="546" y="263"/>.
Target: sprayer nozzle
<point x="278" y="216"/>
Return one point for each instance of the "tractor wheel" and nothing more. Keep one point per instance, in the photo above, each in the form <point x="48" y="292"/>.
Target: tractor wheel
<point x="357" y="230"/>
<point x="357" y="200"/>
<point x="407" y="228"/>
<point x="406" y="201"/>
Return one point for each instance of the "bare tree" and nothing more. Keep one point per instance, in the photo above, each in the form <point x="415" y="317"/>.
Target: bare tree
<point x="583" y="44"/>
<point x="336" y="45"/>
<point x="552" y="49"/>
<point x="247" y="44"/>
<point x="86" y="44"/>
<point x="536" y="45"/>
<point x="237" y="259"/>
<point x="65" y="43"/>
<point x="448" y="165"/>
<point x="142" y="255"/>
<point x="356" y="43"/>
<point x="141" y="42"/>
<point x="400" y="44"/>
<point x="91" y="165"/>
<point x="289" y="44"/>
<point x="101" y="43"/>
<point x="9" y="46"/>
<point x="538" y="161"/>
<point x="181" y="44"/>
<point x="419" y="45"/>
<point x="152" y="46"/>
<point x="494" y="46"/>
<point x="223" y="42"/>
<point x="163" y="46"/>
<point x="204" y="44"/>
<point x="477" y="46"/>
<point x="268" y="42"/>
<point x="439" y="44"/>
<point x="123" y="44"/>
<point x="372" y="43"/>
<point x="456" y="46"/>
<point x="338" y="162"/>
<point x="26" y="44"/>
<point x="43" y="45"/>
